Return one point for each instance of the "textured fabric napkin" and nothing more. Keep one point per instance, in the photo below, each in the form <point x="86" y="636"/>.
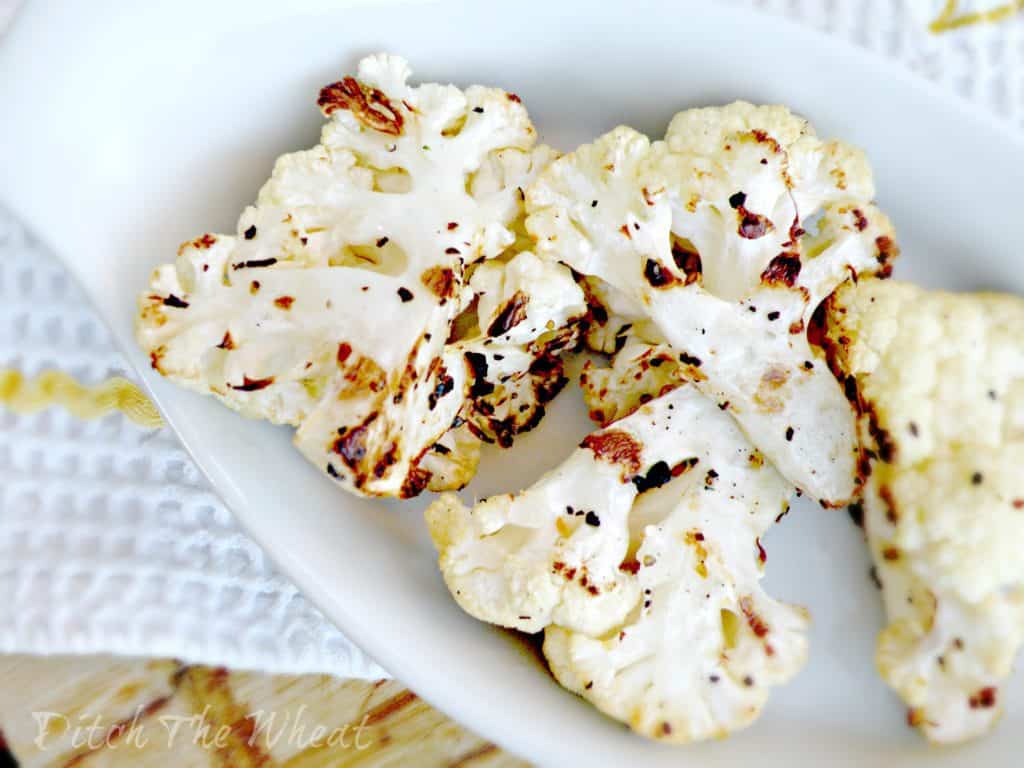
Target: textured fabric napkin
<point x="111" y="541"/>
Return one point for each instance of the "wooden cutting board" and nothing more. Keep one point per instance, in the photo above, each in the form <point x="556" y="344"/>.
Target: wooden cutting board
<point x="98" y="712"/>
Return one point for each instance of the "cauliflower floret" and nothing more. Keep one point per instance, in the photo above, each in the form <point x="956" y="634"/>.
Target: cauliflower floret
<point x="529" y="311"/>
<point x="333" y="307"/>
<point x="612" y="317"/>
<point x="553" y="553"/>
<point x="940" y="380"/>
<point x="640" y="557"/>
<point x="452" y="461"/>
<point x="727" y="236"/>
<point x="639" y="372"/>
<point x="498" y="379"/>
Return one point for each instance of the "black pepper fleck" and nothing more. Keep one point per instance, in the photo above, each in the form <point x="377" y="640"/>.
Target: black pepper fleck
<point x="656" y="476"/>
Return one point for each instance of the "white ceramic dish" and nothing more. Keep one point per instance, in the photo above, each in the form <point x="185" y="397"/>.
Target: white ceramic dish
<point x="129" y="127"/>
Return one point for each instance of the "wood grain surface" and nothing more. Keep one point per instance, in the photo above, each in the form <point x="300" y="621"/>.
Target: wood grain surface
<point x="100" y="712"/>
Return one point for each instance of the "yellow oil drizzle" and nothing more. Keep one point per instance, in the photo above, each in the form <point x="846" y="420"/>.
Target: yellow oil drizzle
<point x="58" y="388"/>
<point x="948" y="20"/>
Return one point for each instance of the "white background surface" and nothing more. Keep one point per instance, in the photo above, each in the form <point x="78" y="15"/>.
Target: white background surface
<point x="109" y="538"/>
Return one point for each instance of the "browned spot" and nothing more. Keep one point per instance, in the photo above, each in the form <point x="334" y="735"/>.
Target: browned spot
<point x="254" y="287"/>
<point x="795" y="231"/>
<point x="1018" y="503"/>
<point x="513" y="97"/>
<point x="444" y="385"/>
<point x="757" y="624"/>
<point x="173" y="301"/>
<point x="763" y="138"/>
<point x="156" y="356"/>
<point x="284" y="302"/>
<point x="766" y="397"/>
<point x="415" y="482"/>
<point x="762" y="556"/>
<point x="647" y="193"/>
<point x="616" y="447"/>
<point x="227" y="342"/>
<point x="440" y="281"/>
<point x="863" y="466"/>
<point x="784" y="269"/>
<point x="630" y="566"/>
<point x="351" y="444"/>
<point x="657" y="275"/>
<point x="775" y="377"/>
<point x="696" y="540"/>
<point x="983" y="699"/>
<point x="752" y="226"/>
<point x="364" y="374"/>
<point x="201" y="243"/>
<point x="511" y="314"/>
<point x="891" y="553"/>
<point x="387" y="460"/>
<point x="252" y="385"/>
<point x="884" y="443"/>
<point x="624" y="229"/>
<point x="344" y="350"/>
<point x="887" y="252"/>
<point x="689" y="263"/>
<point x="478" y="366"/>
<point x="892" y="513"/>
<point x="369" y="105"/>
<point x="153" y="314"/>
<point x="859" y="219"/>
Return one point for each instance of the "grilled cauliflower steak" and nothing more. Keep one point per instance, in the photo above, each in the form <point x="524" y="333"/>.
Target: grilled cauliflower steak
<point x="333" y="307"/>
<point x="554" y="553"/>
<point x="941" y="384"/>
<point x="640" y="557"/>
<point x="726" y="237"/>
